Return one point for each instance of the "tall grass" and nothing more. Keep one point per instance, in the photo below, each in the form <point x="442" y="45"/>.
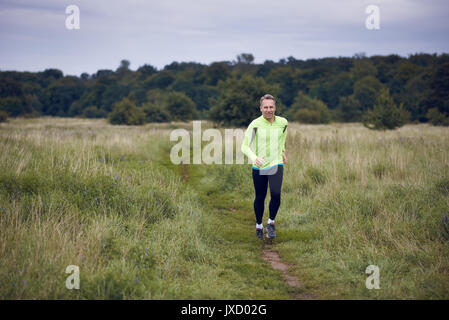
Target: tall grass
<point x="372" y="198"/>
<point x="78" y="192"/>
<point x="106" y="198"/>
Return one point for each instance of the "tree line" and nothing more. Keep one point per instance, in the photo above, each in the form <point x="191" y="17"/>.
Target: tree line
<point x="380" y="91"/>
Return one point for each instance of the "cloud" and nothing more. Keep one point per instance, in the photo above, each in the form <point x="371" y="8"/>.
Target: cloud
<point x="159" y="32"/>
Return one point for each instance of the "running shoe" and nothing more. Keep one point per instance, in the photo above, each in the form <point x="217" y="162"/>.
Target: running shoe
<point x="271" y="233"/>
<point x="259" y="233"/>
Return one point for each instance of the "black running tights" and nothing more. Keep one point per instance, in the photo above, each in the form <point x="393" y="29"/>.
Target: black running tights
<point x="261" y="179"/>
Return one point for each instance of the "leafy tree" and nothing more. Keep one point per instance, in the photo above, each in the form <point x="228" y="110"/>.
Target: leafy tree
<point x="113" y="93"/>
<point x="438" y="95"/>
<point x="201" y="96"/>
<point x="349" y="109"/>
<point x="10" y="87"/>
<point x="363" y="68"/>
<point x="197" y="92"/>
<point x="422" y="59"/>
<point x="13" y="106"/>
<point x="3" y="116"/>
<point x="76" y="109"/>
<point x="146" y="70"/>
<point x="245" y="58"/>
<point x="289" y="82"/>
<point x="180" y="107"/>
<point x="155" y="113"/>
<point x="437" y="118"/>
<point x="156" y="96"/>
<point x="317" y="111"/>
<point x="348" y="85"/>
<point x="94" y="112"/>
<point x="385" y="114"/>
<point x="244" y="64"/>
<point x="160" y="80"/>
<point x="126" y="112"/>
<point x="366" y="90"/>
<point x="155" y="108"/>
<point x="183" y="66"/>
<point x="103" y="73"/>
<point x="48" y="76"/>
<point x="123" y="70"/>
<point x="60" y="94"/>
<point x="53" y="73"/>
<point x="124" y="65"/>
<point x="31" y="105"/>
<point x="239" y="100"/>
<point x="215" y="72"/>
<point x="403" y="73"/>
<point x="330" y="90"/>
<point x="414" y="95"/>
<point x="265" y="69"/>
<point x="307" y="116"/>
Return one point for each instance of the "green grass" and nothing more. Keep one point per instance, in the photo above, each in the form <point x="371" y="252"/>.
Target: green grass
<point x="378" y="200"/>
<point x="106" y="198"/>
<point x="103" y="198"/>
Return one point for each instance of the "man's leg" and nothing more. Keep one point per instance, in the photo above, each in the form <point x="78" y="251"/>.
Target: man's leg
<point x="275" y="181"/>
<point x="260" y="187"/>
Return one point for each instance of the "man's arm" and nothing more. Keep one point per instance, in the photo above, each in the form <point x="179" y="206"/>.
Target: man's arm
<point x="283" y="138"/>
<point x="247" y="140"/>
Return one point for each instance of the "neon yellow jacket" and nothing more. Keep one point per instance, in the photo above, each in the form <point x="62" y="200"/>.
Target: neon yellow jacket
<point x="269" y="140"/>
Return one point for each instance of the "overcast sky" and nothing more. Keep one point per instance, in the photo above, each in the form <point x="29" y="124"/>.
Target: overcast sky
<point x="34" y="36"/>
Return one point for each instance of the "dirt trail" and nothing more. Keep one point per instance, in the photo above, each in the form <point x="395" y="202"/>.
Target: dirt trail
<point x="273" y="258"/>
<point x="269" y="255"/>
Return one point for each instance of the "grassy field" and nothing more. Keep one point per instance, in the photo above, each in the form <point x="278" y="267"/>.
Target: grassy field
<point x="108" y="199"/>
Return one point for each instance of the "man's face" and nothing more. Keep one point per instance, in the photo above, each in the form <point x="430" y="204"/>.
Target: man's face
<point x="268" y="108"/>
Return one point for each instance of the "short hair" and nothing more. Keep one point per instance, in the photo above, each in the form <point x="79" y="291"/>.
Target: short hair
<point x="267" y="96"/>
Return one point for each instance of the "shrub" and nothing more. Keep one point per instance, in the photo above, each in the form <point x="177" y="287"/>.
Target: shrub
<point x="307" y="116"/>
<point x="126" y="112"/>
<point x="309" y="110"/>
<point x="386" y="114"/>
<point x="437" y="118"/>
<point x="181" y="107"/>
<point x="3" y="116"/>
<point x="155" y="113"/>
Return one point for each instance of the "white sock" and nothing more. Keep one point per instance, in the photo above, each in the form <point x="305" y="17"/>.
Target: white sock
<point x="270" y="221"/>
<point x="259" y="226"/>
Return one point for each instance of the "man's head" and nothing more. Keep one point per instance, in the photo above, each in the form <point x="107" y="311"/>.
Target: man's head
<point x="267" y="106"/>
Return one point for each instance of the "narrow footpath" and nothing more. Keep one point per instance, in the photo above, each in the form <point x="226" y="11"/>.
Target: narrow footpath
<point x="232" y="220"/>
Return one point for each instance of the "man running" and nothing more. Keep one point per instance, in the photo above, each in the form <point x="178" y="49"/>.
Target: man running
<point x="268" y="132"/>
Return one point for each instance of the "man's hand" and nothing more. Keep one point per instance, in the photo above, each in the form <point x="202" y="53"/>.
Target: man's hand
<point x="284" y="157"/>
<point x="259" y="161"/>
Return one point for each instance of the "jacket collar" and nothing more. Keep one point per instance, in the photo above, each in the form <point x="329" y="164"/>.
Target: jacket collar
<point x="274" y="120"/>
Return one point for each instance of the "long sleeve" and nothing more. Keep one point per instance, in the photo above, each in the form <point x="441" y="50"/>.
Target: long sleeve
<point x="246" y="144"/>
<point x="283" y="138"/>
